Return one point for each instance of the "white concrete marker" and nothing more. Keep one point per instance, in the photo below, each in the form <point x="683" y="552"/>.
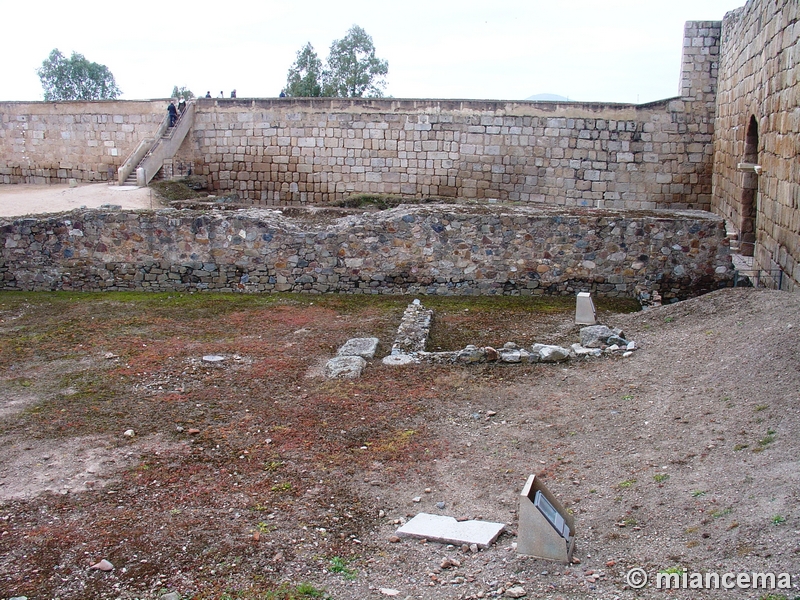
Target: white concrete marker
<point x="439" y="528"/>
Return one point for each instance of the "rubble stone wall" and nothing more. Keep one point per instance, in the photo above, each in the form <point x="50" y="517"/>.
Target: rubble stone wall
<point x="758" y="79"/>
<point x="52" y="142"/>
<point x="433" y="249"/>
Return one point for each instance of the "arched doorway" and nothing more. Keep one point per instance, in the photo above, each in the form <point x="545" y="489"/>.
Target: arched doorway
<point x="749" y="205"/>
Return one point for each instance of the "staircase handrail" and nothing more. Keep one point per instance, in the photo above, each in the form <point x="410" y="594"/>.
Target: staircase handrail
<point x="165" y="147"/>
<point x="140" y="152"/>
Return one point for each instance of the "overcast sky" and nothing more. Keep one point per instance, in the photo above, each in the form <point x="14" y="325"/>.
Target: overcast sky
<point x="603" y="50"/>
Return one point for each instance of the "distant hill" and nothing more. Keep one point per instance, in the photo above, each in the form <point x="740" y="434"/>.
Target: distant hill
<point x="548" y="98"/>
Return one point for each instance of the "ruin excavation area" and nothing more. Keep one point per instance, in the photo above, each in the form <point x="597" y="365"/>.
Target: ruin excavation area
<point x="120" y="443"/>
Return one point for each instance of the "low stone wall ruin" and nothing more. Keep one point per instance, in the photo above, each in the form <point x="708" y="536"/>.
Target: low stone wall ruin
<point x="430" y="249"/>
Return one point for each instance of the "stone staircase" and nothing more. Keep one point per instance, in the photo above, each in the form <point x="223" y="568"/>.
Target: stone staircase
<point x="152" y="155"/>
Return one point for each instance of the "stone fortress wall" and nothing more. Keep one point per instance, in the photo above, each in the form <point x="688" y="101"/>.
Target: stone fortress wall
<point x="415" y="249"/>
<point x="285" y="151"/>
<point x="53" y="142"/>
<point x="276" y="152"/>
<point x="758" y="121"/>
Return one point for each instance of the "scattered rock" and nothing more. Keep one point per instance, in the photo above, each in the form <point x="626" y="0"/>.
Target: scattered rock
<point x="549" y="353"/>
<point x="193" y="431"/>
<point x="393" y="539"/>
<point x="416" y="499"/>
<point x="171" y="596"/>
<point x="449" y="562"/>
<point x="399" y="360"/>
<point x="579" y="351"/>
<point x="491" y="353"/>
<point x="389" y="592"/>
<point x="213" y="358"/>
<point x="348" y="367"/>
<point x="440" y="505"/>
<point x="510" y="355"/>
<point x="103" y="565"/>
<point x="129" y="433"/>
<point x="110" y="356"/>
<point x="596" y="336"/>
<point x="472" y="354"/>
<point x="515" y="592"/>
<point x="363" y="347"/>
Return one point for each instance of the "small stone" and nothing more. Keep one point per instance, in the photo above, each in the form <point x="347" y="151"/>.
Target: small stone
<point x="417" y="499"/>
<point x="627" y="354"/>
<point x="490" y="413"/>
<point x="171" y="596"/>
<point x="389" y="592"/>
<point x="213" y="358"/>
<point x="179" y="429"/>
<point x="347" y="367"/>
<point x="103" y="565"/>
<point x="611" y="563"/>
<point x="440" y="505"/>
<point x="427" y="490"/>
<point x="491" y="353"/>
<point x="515" y="592"/>
<point x="129" y="433"/>
<point x="193" y="431"/>
<point x="576" y="560"/>
<point x="110" y="356"/>
<point x="474" y="548"/>
<point x="393" y="539"/>
<point x="381" y="514"/>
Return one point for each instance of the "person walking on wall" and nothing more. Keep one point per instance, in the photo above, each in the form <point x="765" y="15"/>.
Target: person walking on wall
<point x="233" y="94"/>
<point x="208" y="94"/>
<point x="173" y="113"/>
<point x="181" y="105"/>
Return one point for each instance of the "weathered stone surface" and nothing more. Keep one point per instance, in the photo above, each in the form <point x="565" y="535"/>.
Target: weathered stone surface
<point x="345" y="367"/>
<point x="398" y="360"/>
<point x="596" y="336"/>
<point x="580" y="351"/>
<point x="509" y="355"/>
<point x="412" y="334"/>
<point x="439" y="528"/>
<point x="264" y="251"/>
<point x="472" y="354"/>
<point x="549" y="353"/>
<point x="363" y="347"/>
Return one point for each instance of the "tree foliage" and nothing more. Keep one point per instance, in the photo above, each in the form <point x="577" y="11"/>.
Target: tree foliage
<point x="76" y="78"/>
<point x="305" y="75"/>
<point x="182" y="92"/>
<point x="351" y="70"/>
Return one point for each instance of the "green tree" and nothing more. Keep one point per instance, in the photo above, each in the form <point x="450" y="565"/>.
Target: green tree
<point x="76" y="79"/>
<point x="182" y="92"/>
<point x="353" y="70"/>
<point x="305" y="75"/>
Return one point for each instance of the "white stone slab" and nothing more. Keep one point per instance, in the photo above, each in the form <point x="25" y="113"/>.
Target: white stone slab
<point x="439" y="528"/>
<point x="348" y="367"/>
<point x="363" y="347"/>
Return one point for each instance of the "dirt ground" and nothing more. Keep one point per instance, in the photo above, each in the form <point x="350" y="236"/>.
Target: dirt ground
<point x="19" y="200"/>
<point x="256" y="478"/>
